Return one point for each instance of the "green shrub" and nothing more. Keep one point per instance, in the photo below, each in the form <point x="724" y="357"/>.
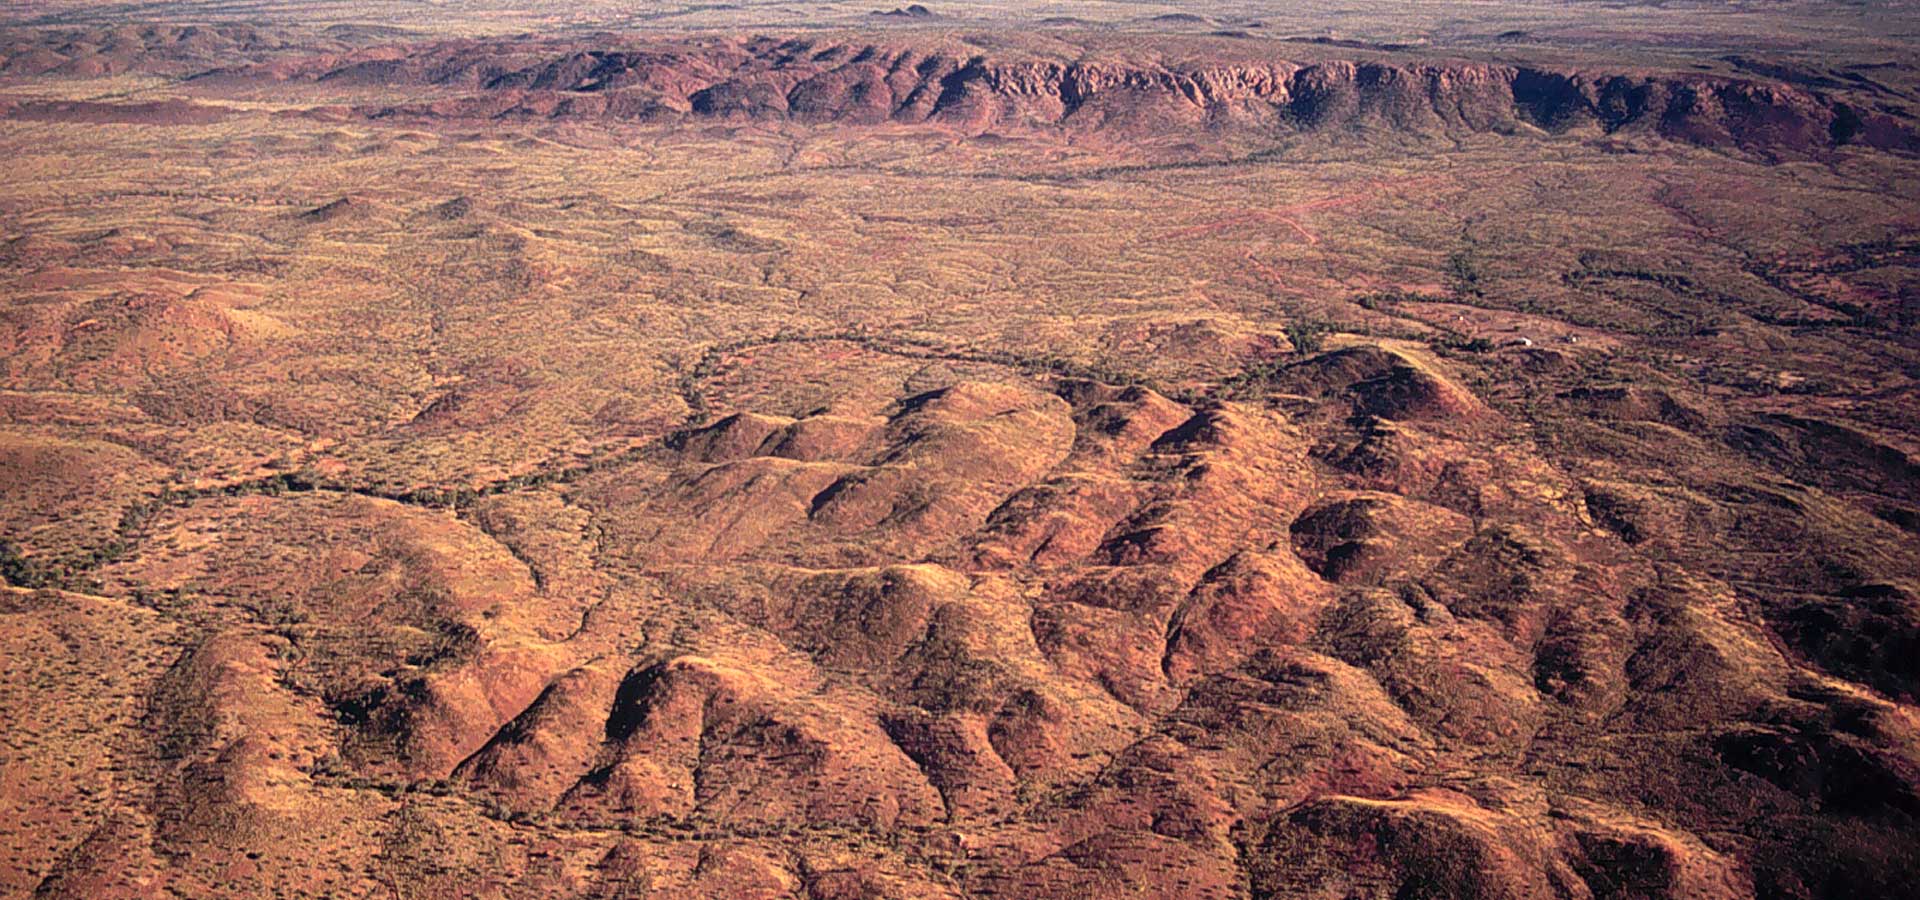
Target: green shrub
<point x="17" y="570"/>
<point x="1308" y="335"/>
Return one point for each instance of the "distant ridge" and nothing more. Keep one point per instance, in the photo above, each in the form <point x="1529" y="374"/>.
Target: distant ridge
<point x="867" y="83"/>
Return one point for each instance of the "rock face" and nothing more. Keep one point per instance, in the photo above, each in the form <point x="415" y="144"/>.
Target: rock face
<point x="820" y="81"/>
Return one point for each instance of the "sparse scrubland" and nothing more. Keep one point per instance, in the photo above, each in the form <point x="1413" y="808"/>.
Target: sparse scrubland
<point x="959" y="451"/>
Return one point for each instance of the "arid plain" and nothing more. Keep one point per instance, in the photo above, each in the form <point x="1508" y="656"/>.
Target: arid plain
<point x="493" y="450"/>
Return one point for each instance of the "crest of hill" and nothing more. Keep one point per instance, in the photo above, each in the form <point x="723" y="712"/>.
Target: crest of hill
<point x="107" y="50"/>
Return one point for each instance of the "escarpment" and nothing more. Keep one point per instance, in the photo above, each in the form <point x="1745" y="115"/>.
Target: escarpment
<point x="960" y="87"/>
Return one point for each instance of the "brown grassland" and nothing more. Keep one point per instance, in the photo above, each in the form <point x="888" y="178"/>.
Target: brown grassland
<point x="998" y="450"/>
